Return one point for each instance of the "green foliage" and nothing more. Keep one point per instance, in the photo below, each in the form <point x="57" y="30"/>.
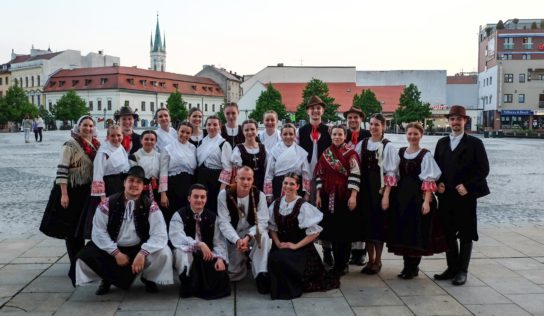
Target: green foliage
<point x="542" y="24"/>
<point x="320" y="89"/>
<point x="269" y="100"/>
<point x="177" y="108"/>
<point x="488" y="31"/>
<point x="411" y="108"/>
<point x="534" y="26"/>
<point x="70" y="107"/>
<point x="47" y="117"/>
<point x="500" y="25"/>
<point x="221" y="116"/>
<point x="368" y="103"/>
<point x="15" y="105"/>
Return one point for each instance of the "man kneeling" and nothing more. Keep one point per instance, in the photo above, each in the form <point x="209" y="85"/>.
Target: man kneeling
<point x="200" y="249"/>
<point x="243" y="220"/>
<point x="128" y="237"/>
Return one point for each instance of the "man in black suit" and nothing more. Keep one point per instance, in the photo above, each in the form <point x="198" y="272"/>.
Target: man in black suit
<point x="463" y="161"/>
<point x="126" y="117"/>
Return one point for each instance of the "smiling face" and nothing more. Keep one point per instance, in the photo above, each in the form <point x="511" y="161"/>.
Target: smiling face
<point x="86" y="128"/>
<point x="115" y="136"/>
<point x="133" y="187"/>
<point x="315" y="112"/>
<point x="127" y="123"/>
<point x="457" y="123"/>
<point x="376" y="128"/>
<point x="354" y="121"/>
<point x="270" y="121"/>
<point x="148" y="142"/>
<point x="244" y="181"/>
<point x="413" y="135"/>
<point x="290" y="187"/>
<point x="196" y="118"/>
<point x="198" y="199"/>
<point x="163" y="118"/>
<point x="338" y="136"/>
<point x="288" y="136"/>
<point x="212" y="127"/>
<point x="184" y="133"/>
<point x="250" y="131"/>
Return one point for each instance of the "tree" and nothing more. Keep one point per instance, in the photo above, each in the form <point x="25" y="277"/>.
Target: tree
<point x="269" y="100"/>
<point x="15" y="105"/>
<point x="500" y="25"/>
<point x="47" y="117"/>
<point x="534" y="26"/>
<point x="542" y="24"/>
<point x="70" y="107"/>
<point x="368" y="103"/>
<point x="177" y="108"/>
<point x="411" y="108"/>
<point x="320" y="89"/>
<point x="221" y="116"/>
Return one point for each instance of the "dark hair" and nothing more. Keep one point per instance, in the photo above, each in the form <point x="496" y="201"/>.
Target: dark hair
<point x="287" y="125"/>
<point x="196" y="186"/>
<point x="186" y="123"/>
<point x="231" y="104"/>
<point x="161" y="109"/>
<point x="213" y="117"/>
<point x="415" y="125"/>
<point x="250" y="121"/>
<point x="293" y="175"/>
<point x="340" y="126"/>
<point x="87" y="117"/>
<point x="193" y="110"/>
<point x="379" y="117"/>
<point x="148" y="131"/>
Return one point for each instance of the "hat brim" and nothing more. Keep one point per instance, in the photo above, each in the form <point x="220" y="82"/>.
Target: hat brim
<point x="118" y="116"/>
<point x="124" y="176"/>
<point x="361" y="114"/>
<point x="310" y="105"/>
<point x="461" y="115"/>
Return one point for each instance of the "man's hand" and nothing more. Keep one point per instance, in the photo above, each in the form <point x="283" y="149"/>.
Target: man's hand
<point x="122" y="259"/>
<point x="219" y="265"/>
<point x="441" y="188"/>
<point x="138" y="264"/>
<point x="243" y="244"/>
<point x="206" y="252"/>
<point x="461" y="190"/>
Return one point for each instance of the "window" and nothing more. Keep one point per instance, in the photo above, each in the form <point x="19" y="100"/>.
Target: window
<point x="162" y="105"/>
<point x="521" y="78"/>
<point x="527" y="43"/>
<point x="88" y="82"/>
<point x="32" y="81"/>
<point x="127" y="103"/>
<point x="508" y="78"/>
<point x="152" y="105"/>
<point x="109" y="104"/>
<point x="490" y="98"/>
<point x="130" y="81"/>
<point x="90" y="105"/>
<point x="162" y="84"/>
<point x="509" y="43"/>
<point x="0" y="81"/>
<point x="99" y="105"/>
<point x="521" y="98"/>
<point x="32" y="99"/>
<point x="51" y="105"/>
<point x="490" y="80"/>
<point x="143" y="82"/>
<point x="213" y="108"/>
<point x="7" y="81"/>
<point x="507" y="98"/>
<point x="26" y="82"/>
<point x="176" y="85"/>
<point x="206" y="107"/>
<point x="103" y="80"/>
<point x="61" y="83"/>
<point x="143" y="106"/>
<point x="39" y="100"/>
<point x="506" y="57"/>
<point x="75" y="82"/>
<point x="39" y="81"/>
<point x="526" y="56"/>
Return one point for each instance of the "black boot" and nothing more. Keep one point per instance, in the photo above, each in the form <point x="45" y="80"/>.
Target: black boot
<point x="327" y="257"/>
<point x="411" y="268"/>
<point x="150" y="286"/>
<point x="464" y="260"/>
<point x="184" y="286"/>
<point x="357" y="257"/>
<point x="263" y="283"/>
<point x="452" y="258"/>
<point x="103" y="288"/>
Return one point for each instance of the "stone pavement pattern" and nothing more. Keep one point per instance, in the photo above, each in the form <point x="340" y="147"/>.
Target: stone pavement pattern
<point x="506" y="275"/>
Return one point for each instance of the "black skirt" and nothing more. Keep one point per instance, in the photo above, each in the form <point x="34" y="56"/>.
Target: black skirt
<point x="210" y="179"/>
<point x="340" y="225"/>
<point x="373" y="217"/>
<point x="293" y="272"/>
<point x="205" y="282"/>
<point x="178" y="188"/>
<point x="104" y="264"/>
<point x="59" y="222"/>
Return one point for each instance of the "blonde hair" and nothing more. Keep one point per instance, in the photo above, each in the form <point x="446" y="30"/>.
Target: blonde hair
<point x="113" y="127"/>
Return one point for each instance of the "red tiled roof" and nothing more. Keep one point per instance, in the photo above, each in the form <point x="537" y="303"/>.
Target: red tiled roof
<point x="462" y="79"/>
<point x="131" y="78"/>
<point x="23" y="58"/>
<point x="343" y="93"/>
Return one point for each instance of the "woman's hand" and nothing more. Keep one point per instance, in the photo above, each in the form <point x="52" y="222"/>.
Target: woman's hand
<point x="307" y="197"/>
<point x="425" y="208"/>
<point x="288" y="245"/>
<point x="164" y="200"/>
<point x="385" y="203"/>
<point x="352" y="202"/>
<point x="318" y="201"/>
<point x="64" y="200"/>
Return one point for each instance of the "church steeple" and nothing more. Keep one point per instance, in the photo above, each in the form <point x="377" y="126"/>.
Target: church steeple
<point x="158" y="49"/>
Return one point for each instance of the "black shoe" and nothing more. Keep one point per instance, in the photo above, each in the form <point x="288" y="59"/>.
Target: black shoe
<point x="446" y="275"/>
<point x="460" y="278"/>
<point x="184" y="287"/>
<point x="150" y="286"/>
<point x="327" y="257"/>
<point x="367" y="268"/>
<point x="263" y="283"/>
<point x="360" y="261"/>
<point x="103" y="288"/>
<point x="408" y="275"/>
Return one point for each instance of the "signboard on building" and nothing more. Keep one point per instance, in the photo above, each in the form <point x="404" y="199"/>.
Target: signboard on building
<point x="516" y="112"/>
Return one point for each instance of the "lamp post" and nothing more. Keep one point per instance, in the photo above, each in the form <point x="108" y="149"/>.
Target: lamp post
<point x="105" y="122"/>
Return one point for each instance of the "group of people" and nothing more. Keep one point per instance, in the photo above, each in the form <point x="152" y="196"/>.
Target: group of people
<point x="207" y="205"/>
<point x="36" y="125"/>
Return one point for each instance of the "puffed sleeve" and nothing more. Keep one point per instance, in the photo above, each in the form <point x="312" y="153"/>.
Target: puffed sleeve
<point x="98" y="187"/>
<point x="430" y="172"/>
<point x="236" y="158"/>
<point x="219" y="244"/>
<point x="226" y="155"/>
<point x="64" y="164"/>
<point x="391" y="162"/>
<point x="164" y="161"/>
<point x="272" y="221"/>
<point x="177" y="235"/>
<point x="269" y="175"/>
<point x="158" y="236"/>
<point x="99" y="233"/>
<point x="309" y="218"/>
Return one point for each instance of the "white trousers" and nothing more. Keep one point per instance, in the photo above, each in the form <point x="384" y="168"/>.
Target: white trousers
<point x="258" y="256"/>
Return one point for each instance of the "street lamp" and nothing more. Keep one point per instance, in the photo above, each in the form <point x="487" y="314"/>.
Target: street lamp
<point x="105" y="122"/>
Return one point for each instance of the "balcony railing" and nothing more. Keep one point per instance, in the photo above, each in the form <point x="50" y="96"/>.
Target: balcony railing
<point x="508" y="45"/>
<point x="527" y="45"/>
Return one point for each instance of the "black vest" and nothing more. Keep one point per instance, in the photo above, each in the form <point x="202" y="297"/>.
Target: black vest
<point x="363" y="133"/>
<point x="116" y="205"/>
<point x="232" y="205"/>
<point x="369" y="159"/>
<point x="305" y="141"/>
<point x="411" y="167"/>
<point x="233" y="140"/>
<point x="207" y="224"/>
<point x="288" y="229"/>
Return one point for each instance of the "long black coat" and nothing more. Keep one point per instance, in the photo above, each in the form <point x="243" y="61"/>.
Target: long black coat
<point x="467" y="165"/>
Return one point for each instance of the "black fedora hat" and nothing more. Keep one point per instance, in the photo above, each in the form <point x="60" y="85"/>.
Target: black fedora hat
<point x="124" y="111"/>
<point x="355" y="110"/>
<point x="315" y="100"/>
<point x="457" y="110"/>
<point x="135" y="171"/>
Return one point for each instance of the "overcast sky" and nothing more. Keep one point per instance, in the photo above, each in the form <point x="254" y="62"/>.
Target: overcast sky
<point x="248" y="35"/>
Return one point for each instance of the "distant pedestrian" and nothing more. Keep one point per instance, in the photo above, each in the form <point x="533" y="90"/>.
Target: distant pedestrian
<point x="27" y="125"/>
<point x="463" y="161"/>
<point x="39" y="127"/>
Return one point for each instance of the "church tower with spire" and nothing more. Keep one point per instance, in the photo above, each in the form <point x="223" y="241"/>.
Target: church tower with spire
<point x="157" y="50"/>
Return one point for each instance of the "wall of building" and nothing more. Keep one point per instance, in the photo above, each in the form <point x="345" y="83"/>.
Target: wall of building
<point x="462" y="94"/>
<point x="248" y="100"/>
<point x="488" y="89"/>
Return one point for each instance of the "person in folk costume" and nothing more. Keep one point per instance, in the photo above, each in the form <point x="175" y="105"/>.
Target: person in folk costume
<point x="195" y="118"/>
<point x="414" y="230"/>
<point x="72" y="187"/>
<point x="129" y="237"/>
<point x="200" y="250"/>
<point x="231" y="131"/>
<point x="251" y="153"/>
<point x="377" y="157"/>
<point x="314" y="137"/>
<point x="110" y="163"/>
<point x="338" y="177"/>
<point x="356" y="134"/>
<point x="149" y="159"/>
<point x="165" y="133"/>
<point x="243" y="220"/>
<point x="270" y="136"/>
<point x="125" y="118"/>
<point x="177" y="169"/>
<point x="213" y="156"/>
<point x="294" y="264"/>
<point x="286" y="157"/>
<point x="463" y="161"/>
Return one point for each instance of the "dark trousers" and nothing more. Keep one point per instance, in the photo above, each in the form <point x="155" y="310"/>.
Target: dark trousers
<point x="458" y="254"/>
<point x="340" y="251"/>
<point x="411" y="264"/>
<point x="38" y="132"/>
<point x="73" y="246"/>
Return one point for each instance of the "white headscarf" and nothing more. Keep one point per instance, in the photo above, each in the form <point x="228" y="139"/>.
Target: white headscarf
<point x="75" y="129"/>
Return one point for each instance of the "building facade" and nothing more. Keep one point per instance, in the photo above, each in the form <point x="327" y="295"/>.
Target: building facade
<point x="228" y="81"/>
<point x="511" y="75"/>
<point x="5" y="76"/>
<point x="106" y="89"/>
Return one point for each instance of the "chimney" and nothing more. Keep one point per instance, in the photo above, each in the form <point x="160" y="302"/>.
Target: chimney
<point x="280" y="65"/>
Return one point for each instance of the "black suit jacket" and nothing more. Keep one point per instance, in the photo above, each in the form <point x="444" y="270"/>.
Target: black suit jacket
<point x="136" y="143"/>
<point x="363" y="133"/>
<point x="467" y="165"/>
